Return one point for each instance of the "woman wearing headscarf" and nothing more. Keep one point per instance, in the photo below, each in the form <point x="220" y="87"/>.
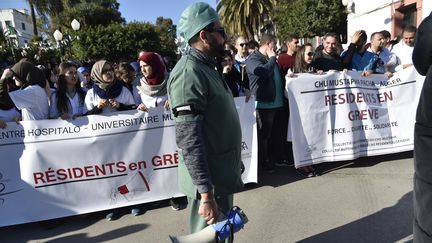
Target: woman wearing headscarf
<point x="107" y="94"/>
<point x="152" y="88"/>
<point x="84" y="74"/>
<point x="8" y="112"/>
<point x="31" y="97"/>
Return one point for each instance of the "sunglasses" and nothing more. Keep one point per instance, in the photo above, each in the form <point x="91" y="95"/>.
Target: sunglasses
<point x="311" y="54"/>
<point x="221" y="31"/>
<point x="243" y="44"/>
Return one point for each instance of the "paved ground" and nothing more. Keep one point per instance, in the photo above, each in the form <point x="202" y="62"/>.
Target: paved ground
<point x="366" y="200"/>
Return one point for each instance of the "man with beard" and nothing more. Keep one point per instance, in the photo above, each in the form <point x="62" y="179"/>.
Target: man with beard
<point x="287" y="60"/>
<point x="328" y="58"/>
<point x="208" y="132"/>
<point x="381" y="60"/>
<point x="404" y="49"/>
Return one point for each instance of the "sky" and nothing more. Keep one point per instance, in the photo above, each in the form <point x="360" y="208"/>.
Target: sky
<point x="138" y="10"/>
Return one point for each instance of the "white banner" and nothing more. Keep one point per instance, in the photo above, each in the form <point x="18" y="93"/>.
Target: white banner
<point x="54" y="168"/>
<point x="337" y="116"/>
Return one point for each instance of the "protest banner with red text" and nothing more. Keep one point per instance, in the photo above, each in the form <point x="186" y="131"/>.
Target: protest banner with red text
<point x="55" y="168"/>
<point x="342" y="116"/>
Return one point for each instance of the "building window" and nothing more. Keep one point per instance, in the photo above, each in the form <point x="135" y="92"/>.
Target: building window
<point x="410" y="16"/>
<point x="23" y="26"/>
<point x="8" y="23"/>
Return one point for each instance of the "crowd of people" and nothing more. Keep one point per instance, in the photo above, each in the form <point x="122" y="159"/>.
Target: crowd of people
<point x="248" y="67"/>
<point x="67" y="91"/>
<point x="267" y="72"/>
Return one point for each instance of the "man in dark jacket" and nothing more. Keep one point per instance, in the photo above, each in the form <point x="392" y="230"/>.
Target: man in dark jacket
<point x="266" y="84"/>
<point x="328" y="58"/>
<point x="422" y="60"/>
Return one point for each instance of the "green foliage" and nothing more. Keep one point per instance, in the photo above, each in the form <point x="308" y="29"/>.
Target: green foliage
<point x="167" y="34"/>
<point x="244" y="17"/>
<point x="309" y="18"/>
<point x="37" y="51"/>
<point x="103" y="32"/>
<point x="2" y="39"/>
<point x="8" y="50"/>
<point x="88" y="13"/>
<point x="117" y="42"/>
<point x="58" y="14"/>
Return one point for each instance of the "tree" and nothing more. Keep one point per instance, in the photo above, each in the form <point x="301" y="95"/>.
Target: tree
<point x="103" y="32"/>
<point x="117" y="42"/>
<point x="88" y="13"/>
<point x="45" y="9"/>
<point x="309" y="18"/>
<point x="58" y="14"/>
<point x="8" y="48"/>
<point x="33" y="17"/>
<point x="167" y="35"/>
<point x="244" y="17"/>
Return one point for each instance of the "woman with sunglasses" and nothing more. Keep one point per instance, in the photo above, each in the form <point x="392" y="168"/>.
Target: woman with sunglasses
<point x="68" y="101"/>
<point x="304" y="60"/>
<point x="304" y="64"/>
<point x="108" y="94"/>
<point x="31" y="97"/>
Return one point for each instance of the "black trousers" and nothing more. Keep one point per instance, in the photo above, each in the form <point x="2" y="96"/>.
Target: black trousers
<point x="270" y="130"/>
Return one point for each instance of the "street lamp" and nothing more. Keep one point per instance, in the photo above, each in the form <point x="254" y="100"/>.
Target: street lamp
<point x="58" y="36"/>
<point x="75" y="24"/>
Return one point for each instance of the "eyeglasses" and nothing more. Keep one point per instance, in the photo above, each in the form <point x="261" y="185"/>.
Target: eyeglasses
<point x="243" y="44"/>
<point x="106" y="70"/>
<point x="310" y="54"/>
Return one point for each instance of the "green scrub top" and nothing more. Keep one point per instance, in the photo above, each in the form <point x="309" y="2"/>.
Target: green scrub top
<point x="195" y="83"/>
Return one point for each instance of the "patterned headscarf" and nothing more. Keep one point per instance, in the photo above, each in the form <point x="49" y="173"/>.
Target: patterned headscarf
<point x="96" y="74"/>
<point x="103" y="89"/>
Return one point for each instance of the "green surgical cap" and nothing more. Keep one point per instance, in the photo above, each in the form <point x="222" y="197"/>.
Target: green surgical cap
<point x="194" y="18"/>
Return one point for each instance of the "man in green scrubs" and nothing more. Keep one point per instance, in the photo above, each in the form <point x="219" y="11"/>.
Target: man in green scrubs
<point x="208" y="132"/>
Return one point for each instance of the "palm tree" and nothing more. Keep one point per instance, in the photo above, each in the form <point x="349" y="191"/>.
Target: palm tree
<point x="244" y="17"/>
<point x="33" y="17"/>
<point x="45" y="9"/>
